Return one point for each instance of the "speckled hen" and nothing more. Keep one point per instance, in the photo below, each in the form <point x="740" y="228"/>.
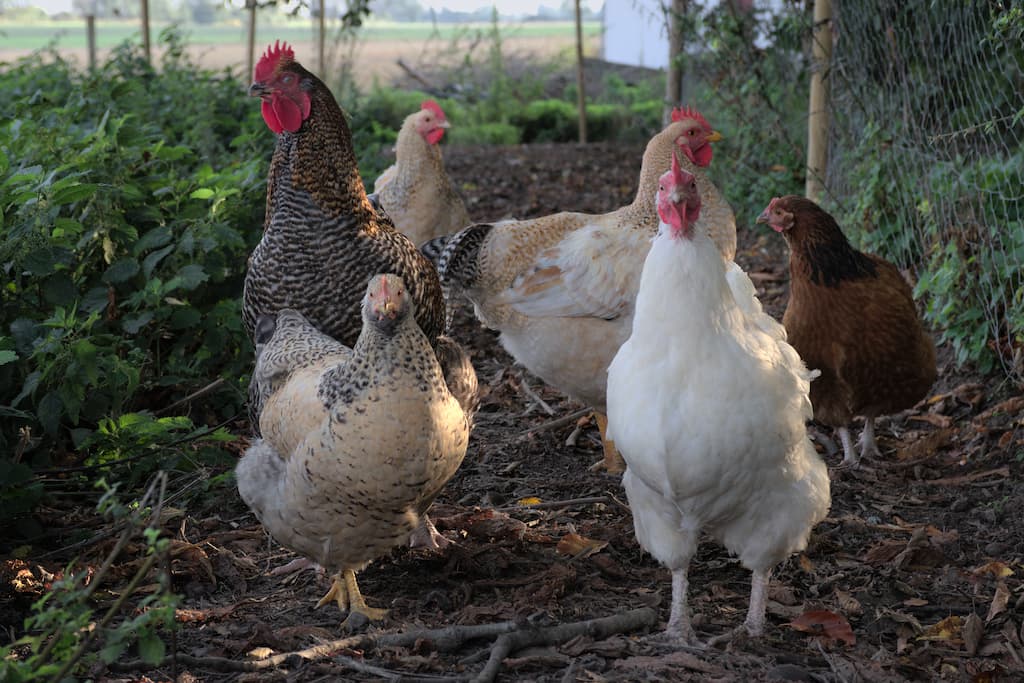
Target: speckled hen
<point x="356" y="442"/>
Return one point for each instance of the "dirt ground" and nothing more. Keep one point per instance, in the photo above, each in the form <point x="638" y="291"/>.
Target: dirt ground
<point x="921" y="555"/>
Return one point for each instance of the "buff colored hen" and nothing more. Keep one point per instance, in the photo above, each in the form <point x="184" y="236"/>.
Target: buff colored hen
<point x="356" y="442"/>
<point x="416" y="191"/>
<point x="561" y="288"/>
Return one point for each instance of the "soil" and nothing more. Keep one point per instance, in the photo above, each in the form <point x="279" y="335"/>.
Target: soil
<point x="921" y="555"/>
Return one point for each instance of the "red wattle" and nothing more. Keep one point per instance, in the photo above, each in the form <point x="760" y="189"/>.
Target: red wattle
<point x="702" y="157"/>
<point x="288" y="113"/>
<point x="434" y="136"/>
<point x="270" y="117"/>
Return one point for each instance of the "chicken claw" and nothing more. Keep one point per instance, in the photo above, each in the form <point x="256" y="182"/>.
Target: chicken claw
<point x="337" y="593"/>
<point x="357" y="605"/>
<point x="427" y="536"/>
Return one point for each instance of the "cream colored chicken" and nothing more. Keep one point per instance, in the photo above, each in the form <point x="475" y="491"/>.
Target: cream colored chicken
<point x="356" y="442"/>
<point x="416" y="191"/>
<point x="561" y="288"/>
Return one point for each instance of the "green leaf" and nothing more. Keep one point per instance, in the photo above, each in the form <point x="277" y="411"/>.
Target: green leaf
<point x="96" y="299"/>
<point x="192" y="276"/>
<point x="201" y="193"/>
<point x="152" y="260"/>
<point x="121" y="270"/>
<point x="59" y="289"/>
<point x="7" y="357"/>
<point x="133" y="323"/>
<point x="151" y="648"/>
<point x="49" y="412"/>
<point x="157" y="237"/>
<point x="40" y="261"/>
<point x="73" y="193"/>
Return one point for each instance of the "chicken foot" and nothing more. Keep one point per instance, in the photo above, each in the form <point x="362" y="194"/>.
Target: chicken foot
<point x="753" y="625"/>
<point x="345" y="592"/>
<point x="612" y="461"/>
<point x="679" y="628"/>
<point x="427" y="536"/>
<point x="868" y="445"/>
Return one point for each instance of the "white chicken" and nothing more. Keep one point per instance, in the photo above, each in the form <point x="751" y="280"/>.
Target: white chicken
<point x="356" y="443"/>
<point x="707" y="403"/>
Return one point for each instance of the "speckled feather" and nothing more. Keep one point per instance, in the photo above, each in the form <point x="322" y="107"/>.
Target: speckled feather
<point x="357" y="443"/>
<point x="323" y="240"/>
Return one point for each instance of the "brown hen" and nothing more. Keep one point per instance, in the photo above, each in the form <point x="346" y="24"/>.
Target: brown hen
<point x="850" y="315"/>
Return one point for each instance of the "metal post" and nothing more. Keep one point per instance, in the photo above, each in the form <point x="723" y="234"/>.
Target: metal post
<point x="817" y="112"/>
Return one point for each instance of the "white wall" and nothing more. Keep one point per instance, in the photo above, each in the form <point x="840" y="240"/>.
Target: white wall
<point x="634" y="33"/>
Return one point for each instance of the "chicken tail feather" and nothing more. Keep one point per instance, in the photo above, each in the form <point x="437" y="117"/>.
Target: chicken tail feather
<point x="457" y="264"/>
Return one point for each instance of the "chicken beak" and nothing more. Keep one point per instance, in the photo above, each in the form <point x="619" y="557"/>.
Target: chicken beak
<point x="258" y="89"/>
<point x="715" y="136"/>
<point x="763" y="218"/>
<point x="444" y="124"/>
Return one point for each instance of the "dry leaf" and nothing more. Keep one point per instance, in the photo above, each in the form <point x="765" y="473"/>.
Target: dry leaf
<point x="940" y="421"/>
<point x="530" y="500"/>
<point x="927" y="445"/>
<point x="973" y="630"/>
<point x="995" y="568"/>
<point x="949" y="629"/>
<point x="806" y="564"/>
<point x="829" y="626"/>
<point x="848" y="603"/>
<point x="915" y="602"/>
<point x="999" y="601"/>
<point x="1003" y="472"/>
<point x="574" y="545"/>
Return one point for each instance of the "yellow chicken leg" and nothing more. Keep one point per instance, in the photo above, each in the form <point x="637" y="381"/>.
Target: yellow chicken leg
<point x="356" y="603"/>
<point x="338" y="593"/>
<point x="613" y="461"/>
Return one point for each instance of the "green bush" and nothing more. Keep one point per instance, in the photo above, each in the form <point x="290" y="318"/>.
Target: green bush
<point x="129" y="201"/>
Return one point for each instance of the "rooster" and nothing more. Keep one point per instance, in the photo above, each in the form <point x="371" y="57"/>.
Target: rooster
<point x="416" y="191"/>
<point x="852" y="316"/>
<point x="356" y="442"/>
<point x="708" y="407"/>
<point x="561" y="288"/>
<point x="323" y="239"/>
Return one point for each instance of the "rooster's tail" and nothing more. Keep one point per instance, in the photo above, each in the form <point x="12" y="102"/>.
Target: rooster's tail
<point x="457" y="264"/>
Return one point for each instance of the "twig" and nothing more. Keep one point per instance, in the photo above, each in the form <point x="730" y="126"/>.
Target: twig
<point x="215" y="384"/>
<point x="556" y="635"/>
<point x="556" y="423"/>
<point x="548" y="504"/>
<point x="533" y="396"/>
<point x="445" y="639"/>
<point x="415" y="75"/>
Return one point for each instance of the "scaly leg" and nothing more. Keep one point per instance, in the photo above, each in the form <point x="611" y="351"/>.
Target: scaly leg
<point x="679" y="626"/>
<point x="298" y="564"/>
<point x="427" y="536"/>
<point x="868" y="446"/>
<point x="338" y="593"/>
<point x="851" y="458"/>
<point x="357" y="605"/>
<point x="613" y="461"/>
<point x="758" y="602"/>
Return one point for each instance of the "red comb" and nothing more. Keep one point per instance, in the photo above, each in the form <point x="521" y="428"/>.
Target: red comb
<point x="679" y="176"/>
<point x="771" y="204"/>
<point x="678" y="114"/>
<point x="434" y="107"/>
<point x="276" y="55"/>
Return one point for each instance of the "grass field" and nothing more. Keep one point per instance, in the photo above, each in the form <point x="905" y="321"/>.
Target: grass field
<point x="71" y="34"/>
<point x="381" y="43"/>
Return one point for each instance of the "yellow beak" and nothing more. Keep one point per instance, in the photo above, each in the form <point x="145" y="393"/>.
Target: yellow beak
<point x="714" y="137"/>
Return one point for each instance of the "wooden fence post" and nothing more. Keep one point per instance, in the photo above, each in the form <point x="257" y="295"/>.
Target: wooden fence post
<point x="674" y="79"/>
<point x="817" y="111"/>
<point x="321" y="38"/>
<point x="250" y="47"/>
<point x="90" y="36"/>
<point x="581" y="96"/>
<point x="145" y="32"/>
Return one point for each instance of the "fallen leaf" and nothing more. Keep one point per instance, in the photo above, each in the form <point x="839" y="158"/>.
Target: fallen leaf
<point x="530" y="500"/>
<point x="848" y="603"/>
<point x="574" y="545"/>
<point x="1003" y="472"/>
<point x="806" y="564"/>
<point x="915" y="602"/>
<point x="949" y="629"/>
<point x="829" y="626"/>
<point x="995" y="568"/>
<point x="927" y="445"/>
<point x="999" y="601"/>
<point x="973" y="630"/>
<point x="940" y="421"/>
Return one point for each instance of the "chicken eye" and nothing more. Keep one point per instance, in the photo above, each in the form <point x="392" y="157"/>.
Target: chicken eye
<point x="691" y="132"/>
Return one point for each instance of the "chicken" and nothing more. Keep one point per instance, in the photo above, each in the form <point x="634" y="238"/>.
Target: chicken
<point x="708" y="410"/>
<point x="561" y="288"/>
<point x="356" y="442"/>
<point x="852" y="316"/>
<point x="323" y="239"/>
<point x="416" y="191"/>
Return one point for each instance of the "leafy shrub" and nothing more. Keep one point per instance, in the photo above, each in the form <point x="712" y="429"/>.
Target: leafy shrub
<point x="129" y="201"/>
